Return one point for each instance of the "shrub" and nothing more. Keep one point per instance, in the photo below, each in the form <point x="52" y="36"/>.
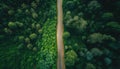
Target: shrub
<point x="107" y="15"/>
<point x="66" y="34"/>
<point x="27" y="40"/>
<point x="12" y="25"/>
<point x="90" y="66"/>
<point x="96" y="52"/>
<point x="70" y="58"/>
<point x="21" y="38"/>
<point x="29" y="46"/>
<point x="33" y="36"/>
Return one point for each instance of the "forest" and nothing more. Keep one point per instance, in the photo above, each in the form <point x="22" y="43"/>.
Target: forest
<point x="28" y="34"/>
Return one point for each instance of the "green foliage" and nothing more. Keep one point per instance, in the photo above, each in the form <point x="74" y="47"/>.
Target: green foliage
<point x="34" y="49"/>
<point x="11" y="12"/>
<point x="29" y="46"/>
<point x="22" y="29"/>
<point x="70" y="58"/>
<point x="21" y="38"/>
<point x="107" y="15"/>
<point x="28" y="36"/>
<point x="114" y="25"/>
<point x="48" y="51"/>
<point x="12" y="25"/>
<point x="76" y="22"/>
<point x="40" y="31"/>
<point x="34" y="15"/>
<point x="2" y="36"/>
<point x="90" y="66"/>
<point x="27" y="40"/>
<point x="19" y="24"/>
<point x="94" y="33"/>
<point x="97" y="37"/>
<point x="66" y="34"/>
<point x="108" y="61"/>
<point x="96" y="52"/>
<point x="8" y="31"/>
<point x="33" y="36"/>
<point x="94" y="5"/>
<point x="37" y="26"/>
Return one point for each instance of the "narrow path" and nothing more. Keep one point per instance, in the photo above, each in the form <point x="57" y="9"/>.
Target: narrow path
<point x="60" y="29"/>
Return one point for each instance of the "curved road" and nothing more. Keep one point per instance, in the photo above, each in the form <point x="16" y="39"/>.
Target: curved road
<point x="60" y="29"/>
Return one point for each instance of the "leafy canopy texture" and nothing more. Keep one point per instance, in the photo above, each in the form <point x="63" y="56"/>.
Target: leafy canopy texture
<point x="92" y="29"/>
<point x="27" y="34"/>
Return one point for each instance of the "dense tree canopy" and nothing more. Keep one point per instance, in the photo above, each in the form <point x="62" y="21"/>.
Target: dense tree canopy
<point x="28" y="34"/>
<point x="93" y="28"/>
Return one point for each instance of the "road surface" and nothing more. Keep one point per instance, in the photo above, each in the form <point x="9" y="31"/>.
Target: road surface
<point x="60" y="29"/>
